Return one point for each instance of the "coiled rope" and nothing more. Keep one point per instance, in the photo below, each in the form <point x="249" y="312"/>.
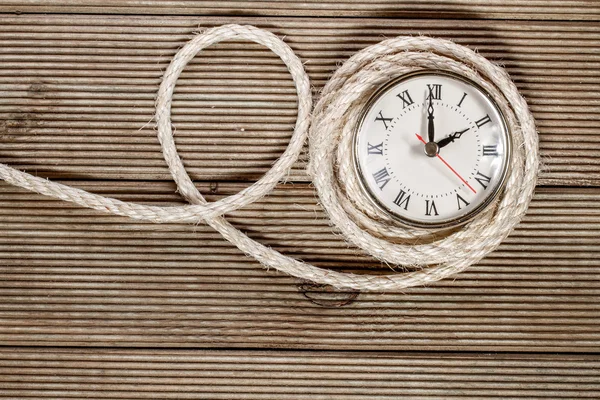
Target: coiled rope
<point x="334" y="119"/>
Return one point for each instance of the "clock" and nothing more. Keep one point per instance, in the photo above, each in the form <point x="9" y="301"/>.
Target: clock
<point x="431" y="149"/>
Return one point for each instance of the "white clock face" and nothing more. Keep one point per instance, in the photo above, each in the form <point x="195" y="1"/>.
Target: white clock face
<point x="432" y="149"/>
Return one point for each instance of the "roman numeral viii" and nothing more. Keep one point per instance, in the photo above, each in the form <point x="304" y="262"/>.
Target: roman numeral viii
<point x="430" y="208"/>
<point x="406" y="99"/>
<point x="402" y="200"/>
<point x="382" y="177"/>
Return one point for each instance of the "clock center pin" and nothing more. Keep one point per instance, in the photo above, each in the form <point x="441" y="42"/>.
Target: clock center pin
<point x="432" y="149"/>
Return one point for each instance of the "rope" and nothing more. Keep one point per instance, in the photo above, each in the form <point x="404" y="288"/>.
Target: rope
<point x="335" y="117"/>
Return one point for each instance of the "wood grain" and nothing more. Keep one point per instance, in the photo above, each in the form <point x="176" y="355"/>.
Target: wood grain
<point x="76" y="93"/>
<point x="135" y="374"/>
<point x="483" y="9"/>
<point x="75" y="277"/>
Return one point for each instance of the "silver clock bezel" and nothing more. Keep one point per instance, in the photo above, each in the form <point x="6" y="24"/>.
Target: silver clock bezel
<point x="433" y="225"/>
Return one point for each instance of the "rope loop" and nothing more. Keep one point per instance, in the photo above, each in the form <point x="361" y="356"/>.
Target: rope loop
<point x="335" y="117"/>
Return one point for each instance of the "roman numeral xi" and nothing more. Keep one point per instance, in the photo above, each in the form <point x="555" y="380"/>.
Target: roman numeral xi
<point x="406" y="99"/>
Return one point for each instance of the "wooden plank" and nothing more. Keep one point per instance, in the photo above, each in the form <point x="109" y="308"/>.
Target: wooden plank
<point x="77" y="93"/>
<point x="186" y="374"/>
<point x="75" y="277"/>
<point x="480" y="9"/>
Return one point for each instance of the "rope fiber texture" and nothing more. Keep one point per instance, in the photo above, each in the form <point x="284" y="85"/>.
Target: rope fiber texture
<point x="434" y="255"/>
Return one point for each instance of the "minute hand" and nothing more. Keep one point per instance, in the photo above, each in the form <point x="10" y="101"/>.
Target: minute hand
<point x="451" y="138"/>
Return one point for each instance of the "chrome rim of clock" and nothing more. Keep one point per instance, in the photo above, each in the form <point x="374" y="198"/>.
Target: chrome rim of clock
<point x="431" y="149"/>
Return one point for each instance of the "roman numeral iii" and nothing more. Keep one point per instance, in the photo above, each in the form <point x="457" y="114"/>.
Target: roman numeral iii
<point x="383" y="119"/>
<point x="490" y="150"/>
<point x="406" y="99"/>
<point x="382" y="177"/>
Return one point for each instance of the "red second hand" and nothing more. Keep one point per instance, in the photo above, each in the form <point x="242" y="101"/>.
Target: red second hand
<point x="448" y="165"/>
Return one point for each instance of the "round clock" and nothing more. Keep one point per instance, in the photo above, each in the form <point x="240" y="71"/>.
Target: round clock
<point x="431" y="149"/>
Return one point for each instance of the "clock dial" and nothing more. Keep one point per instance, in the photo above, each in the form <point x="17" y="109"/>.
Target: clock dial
<point x="432" y="149"/>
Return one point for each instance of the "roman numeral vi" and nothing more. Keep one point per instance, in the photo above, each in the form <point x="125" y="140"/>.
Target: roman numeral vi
<point x="430" y="208"/>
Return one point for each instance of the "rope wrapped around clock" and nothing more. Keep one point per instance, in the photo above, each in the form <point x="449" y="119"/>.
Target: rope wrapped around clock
<point x="334" y="118"/>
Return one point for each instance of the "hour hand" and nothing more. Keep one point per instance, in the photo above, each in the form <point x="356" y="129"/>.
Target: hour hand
<point x="451" y="138"/>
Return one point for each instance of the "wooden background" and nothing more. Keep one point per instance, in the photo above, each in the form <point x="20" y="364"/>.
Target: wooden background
<point x="96" y="306"/>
